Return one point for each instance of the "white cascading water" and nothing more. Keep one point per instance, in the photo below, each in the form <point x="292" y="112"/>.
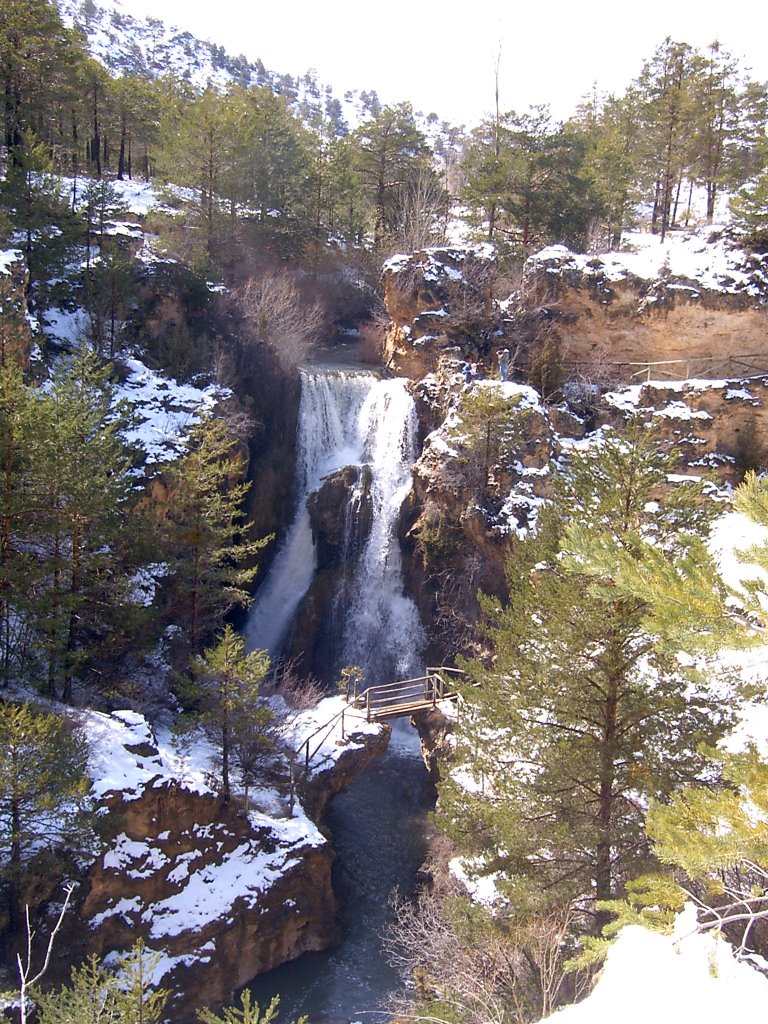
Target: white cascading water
<point x="382" y="632"/>
<point x="350" y="418"/>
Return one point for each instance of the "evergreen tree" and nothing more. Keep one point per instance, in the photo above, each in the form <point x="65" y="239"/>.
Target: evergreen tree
<point x="750" y="212"/>
<point x="389" y="152"/>
<point x="611" y="128"/>
<point x="489" y="427"/>
<point x="527" y="178"/>
<point x="211" y="553"/>
<point x="83" y="489"/>
<point x="97" y="995"/>
<point x="195" y="153"/>
<point x="666" y="85"/>
<point x="43" y="785"/>
<point x="37" y="57"/>
<point x="226" y="684"/>
<point x="584" y="713"/>
<point x="19" y="576"/>
<point x="246" y="1013"/>
<point x="40" y="214"/>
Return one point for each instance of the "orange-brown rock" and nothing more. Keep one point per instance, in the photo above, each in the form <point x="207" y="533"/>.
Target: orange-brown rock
<point x="720" y="425"/>
<point x="322" y="786"/>
<point x="612" y="327"/>
<point x="223" y="896"/>
<point x="436" y="299"/>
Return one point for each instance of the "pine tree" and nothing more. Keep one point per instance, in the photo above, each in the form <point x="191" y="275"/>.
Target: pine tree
<point x="612" y="131"/>
<point x="389" y="151"/>
<point x="98" y="995"/>
<point x="225" y="685"/>
<point x="584" y="712"/>
<point x="713" y="837"/>
<point x="83" y="490"/>
<point x="246" y="1013"/>
<point x="18" y="408"/>
<point x="43" y="786"/>
<point x="211" y="552"/>
<point x="666" y="86"/>
<point x="526" y="176"/>
<point x="750" y="212"/>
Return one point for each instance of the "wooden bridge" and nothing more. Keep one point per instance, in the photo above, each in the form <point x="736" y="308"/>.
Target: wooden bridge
<point x="406" y="696"/>
<point x="379" y="703"/>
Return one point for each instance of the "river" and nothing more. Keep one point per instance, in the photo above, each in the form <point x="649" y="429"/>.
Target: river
<point x="379" y="827"/>
<point x="379" y="831"/>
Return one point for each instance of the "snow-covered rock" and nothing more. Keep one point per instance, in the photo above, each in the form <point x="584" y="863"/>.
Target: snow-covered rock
<point x="692" y="306"/>
<point x="221" y="895"/>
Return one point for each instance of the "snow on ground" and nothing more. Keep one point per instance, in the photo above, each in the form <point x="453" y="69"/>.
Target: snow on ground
<point x="206" y="868"/>
<point x="8" y="257"/>
<point x="115" y="767"/>
<point x="138" y="197"/>
<point x="671" y="979"/>
<point x="731" y="538"/>
<point x="482" y="889"/>
<point x="326" y="731"/>
<point x="704" y="257"/>
<point x="440" y="264"/>
<point x="65" y="327"/>
<point x="631" y="397"/>
<point x="163" y="410"/>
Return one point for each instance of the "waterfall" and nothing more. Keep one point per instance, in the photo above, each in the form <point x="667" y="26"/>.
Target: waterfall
<point x="379" y="825"/>
<point x="350" y="418"/>
<point x="382" y="633"/>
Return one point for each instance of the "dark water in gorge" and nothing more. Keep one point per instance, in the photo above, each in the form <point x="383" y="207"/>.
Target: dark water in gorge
<point x="379" y="832"/>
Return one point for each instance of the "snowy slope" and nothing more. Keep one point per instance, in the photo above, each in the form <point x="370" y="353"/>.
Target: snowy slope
<point x="147" y="47"/>
<point x="676" y="979"/>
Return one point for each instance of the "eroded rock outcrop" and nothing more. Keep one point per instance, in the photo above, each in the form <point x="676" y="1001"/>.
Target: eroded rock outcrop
<point x="223" y="896"/>
<point x="706" y="316"/>
<point x="436" y="298"/>
<point x="340" y="514"/>
<point x="478" y="483"/>
<point x="712" y="425"/>
<point x="220" y="893"/>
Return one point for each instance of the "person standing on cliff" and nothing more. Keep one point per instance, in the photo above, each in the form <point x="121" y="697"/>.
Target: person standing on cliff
<point x="504" y="363"/>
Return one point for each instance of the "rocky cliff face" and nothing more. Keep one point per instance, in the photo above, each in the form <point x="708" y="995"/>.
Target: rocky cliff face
<point x="222" y="895"/>
<point x="717" y="425"/>
<point x="341" y="515"/>
<point x="436" y="299"/>
<point x="708" y="322"/>
<point x="488" y="449"/>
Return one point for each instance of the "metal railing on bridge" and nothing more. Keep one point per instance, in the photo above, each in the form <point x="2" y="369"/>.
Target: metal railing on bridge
<point x="378" y="703"/>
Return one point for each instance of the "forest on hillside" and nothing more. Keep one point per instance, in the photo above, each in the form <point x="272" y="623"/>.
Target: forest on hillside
<point x="125" y="568"/>
<point x="268" y="176"/>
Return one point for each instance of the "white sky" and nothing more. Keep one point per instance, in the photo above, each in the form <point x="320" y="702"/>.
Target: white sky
<point x="442" y="57"/>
